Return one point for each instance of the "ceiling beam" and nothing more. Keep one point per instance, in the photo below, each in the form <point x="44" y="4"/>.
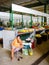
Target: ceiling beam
<point x="2" y="8"/>
<point x="34" y="5"/>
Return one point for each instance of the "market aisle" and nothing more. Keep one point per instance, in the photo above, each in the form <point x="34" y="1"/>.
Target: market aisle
<point x="27" y="60"/>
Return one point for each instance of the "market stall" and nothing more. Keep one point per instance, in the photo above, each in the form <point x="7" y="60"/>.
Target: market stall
<point x="24" y="31"/>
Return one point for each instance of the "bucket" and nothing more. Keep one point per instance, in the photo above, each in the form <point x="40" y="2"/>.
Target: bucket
<point x="30" y="52"/>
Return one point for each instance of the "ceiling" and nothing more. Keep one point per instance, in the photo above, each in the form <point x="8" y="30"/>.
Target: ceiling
<point x="35" y="4"/>
<point x="7" y="3"/>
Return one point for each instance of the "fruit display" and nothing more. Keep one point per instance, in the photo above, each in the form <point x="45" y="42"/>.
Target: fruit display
<point x="30" y="30"/>
<point x="22" y="31"/>
<point x="8" y="28"/>
<point x="41" y="28"/>
<point x="47" y="27"/>
<point x="25" y="30"/>
<point x="38" y="35"/>
<point x="38" y="28"/>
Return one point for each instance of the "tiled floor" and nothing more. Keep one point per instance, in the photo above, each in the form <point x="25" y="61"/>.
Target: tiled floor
<point x="45" y="61"/>
<point x="27" y="60"/>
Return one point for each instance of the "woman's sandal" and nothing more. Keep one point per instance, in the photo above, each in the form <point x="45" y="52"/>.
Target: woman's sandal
<point x="18" y="59"/>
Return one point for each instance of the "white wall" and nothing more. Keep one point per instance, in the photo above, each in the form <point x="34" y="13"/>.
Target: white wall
<point x="8" y="36"/>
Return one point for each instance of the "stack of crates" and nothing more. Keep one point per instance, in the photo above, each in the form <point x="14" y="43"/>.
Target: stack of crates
<point x="27" y="50"/>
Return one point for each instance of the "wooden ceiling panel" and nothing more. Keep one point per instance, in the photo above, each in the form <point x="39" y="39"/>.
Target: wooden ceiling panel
<point x="39" y="8"/>
<point x="20" y="2"/>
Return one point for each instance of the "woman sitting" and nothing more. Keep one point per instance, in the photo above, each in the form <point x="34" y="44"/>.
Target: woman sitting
<point x="16" y="46"/>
